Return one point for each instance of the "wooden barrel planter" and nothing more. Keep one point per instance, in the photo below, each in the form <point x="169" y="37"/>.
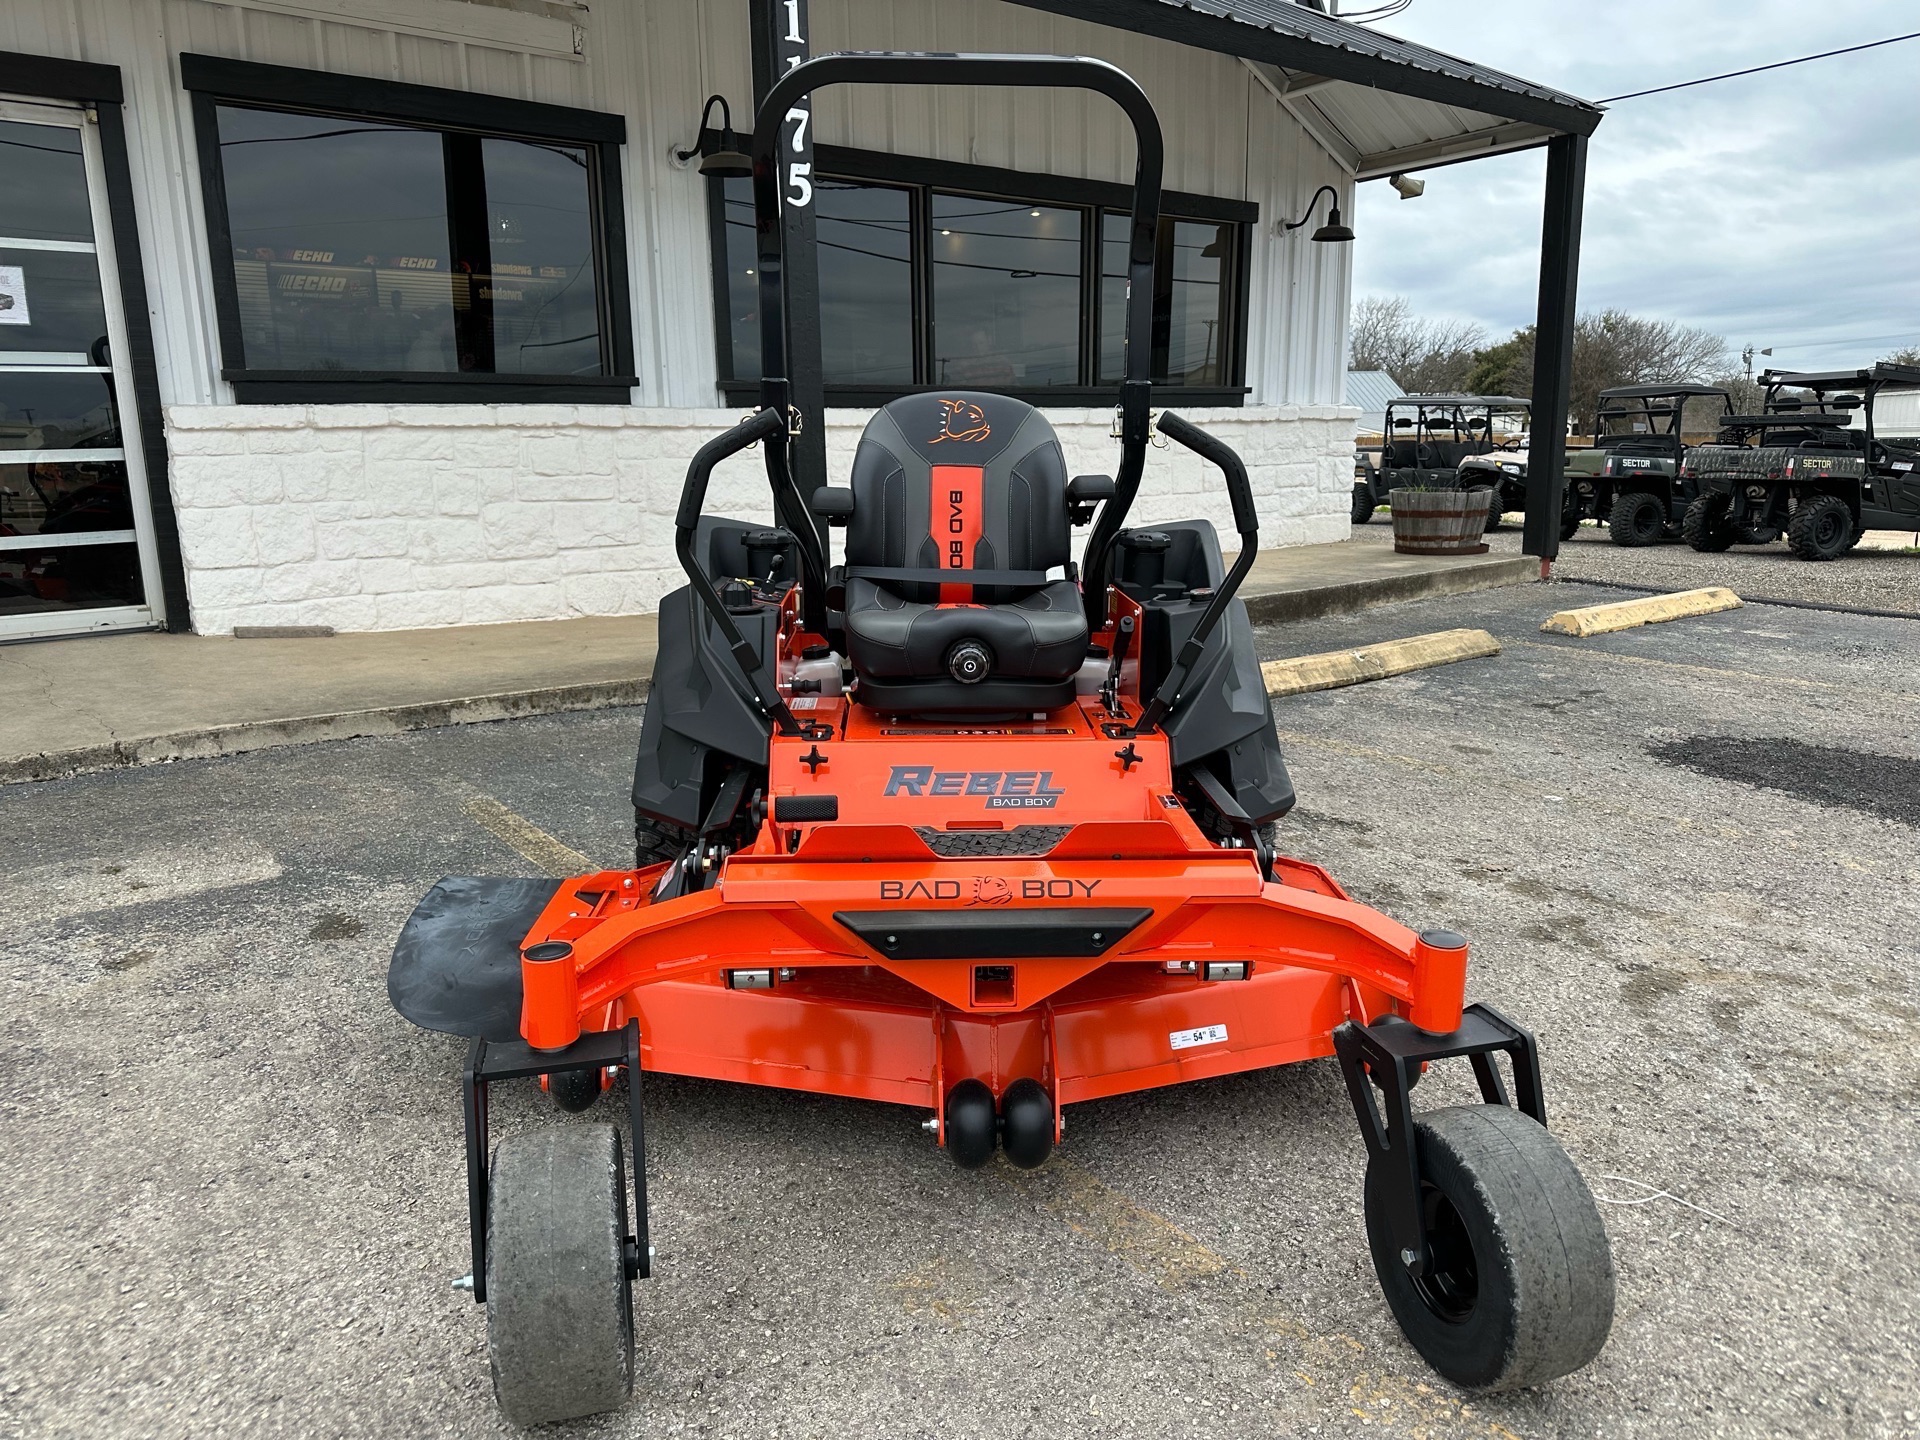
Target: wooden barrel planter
<point x="1439" y="522"/>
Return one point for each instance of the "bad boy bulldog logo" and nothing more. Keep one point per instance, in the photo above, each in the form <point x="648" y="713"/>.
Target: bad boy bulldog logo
<point x="990" y="890"/>
<point x="961" y="420"/>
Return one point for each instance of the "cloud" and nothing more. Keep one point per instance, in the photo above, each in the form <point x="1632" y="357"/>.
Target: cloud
<point x="1778" y="209"/>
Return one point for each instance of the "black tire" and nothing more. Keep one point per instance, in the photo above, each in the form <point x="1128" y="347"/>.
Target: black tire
<point x="574" y="1090"/>
<point x="1570" y="523"/>
<point x="1363" y="506"/>
<point x="559" y="1304"/>
<point x="1639" y="518"/>
<point x="1706" y="526"/>
<point x="655" y="841"/>
<point x="1859" y="534"/>
<point x="1496" y="512"/>
<point x="1821" y="528"/>
<point x="973" y="1129"/>
<point x="1756" y="534"/>
<point x="1026" y="1124"/>
<point x="1521" y="1287"/>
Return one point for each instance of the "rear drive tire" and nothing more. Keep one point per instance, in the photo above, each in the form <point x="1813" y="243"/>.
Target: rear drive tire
<point x="1757" y="534"/>
<point x="559" y="1303"/>
<point x="1639" y="518"/>
<point x="1363" y="506"/>
<point x="1521" y="1286"/>
<point x="1821" y="528"/>
<point x="655" y="842"/>
<point x="1706" y="526"/>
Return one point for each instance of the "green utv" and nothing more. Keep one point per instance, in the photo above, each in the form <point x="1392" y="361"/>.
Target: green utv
<point x="1431" y="438"/>
<point x="1631" y="480"/>
<point x="1808" y="465"/>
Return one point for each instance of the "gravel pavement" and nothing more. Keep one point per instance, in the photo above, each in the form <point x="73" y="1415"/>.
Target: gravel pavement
<point x="234" y="1191"/>
<point x="1871" y="578"/>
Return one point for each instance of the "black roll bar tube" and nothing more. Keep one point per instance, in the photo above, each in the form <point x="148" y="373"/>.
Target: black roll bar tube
<point x="761" y="425"/>
<point x="1221" y="455"/>
<point x="772" y="187"/>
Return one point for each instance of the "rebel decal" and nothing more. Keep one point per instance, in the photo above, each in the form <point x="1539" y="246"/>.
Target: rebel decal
<point x="1000" y="789"/>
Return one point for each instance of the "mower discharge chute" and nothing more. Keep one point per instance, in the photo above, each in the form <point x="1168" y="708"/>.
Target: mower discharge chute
<point x="957" y="826"/>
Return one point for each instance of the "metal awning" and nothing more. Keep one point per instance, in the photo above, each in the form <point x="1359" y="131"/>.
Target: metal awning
<point x="1376" y="103"/>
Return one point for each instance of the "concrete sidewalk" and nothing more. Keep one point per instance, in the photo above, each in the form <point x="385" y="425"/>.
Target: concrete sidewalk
<point x="106" y="701"/>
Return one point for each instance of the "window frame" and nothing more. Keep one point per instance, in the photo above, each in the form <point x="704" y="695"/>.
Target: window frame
<point x="1094" y="198"/>
<point x="213" y="81"/>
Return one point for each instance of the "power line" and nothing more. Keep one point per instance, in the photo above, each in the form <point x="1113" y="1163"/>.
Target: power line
<point x="1756" y="69"/>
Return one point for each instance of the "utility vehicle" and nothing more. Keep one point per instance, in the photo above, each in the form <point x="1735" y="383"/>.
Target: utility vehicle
<point x="1429" y="437"/>
<point x="1809" y="464"/>
<point x="1631" y="481"/>
<point x="961" y="826"/>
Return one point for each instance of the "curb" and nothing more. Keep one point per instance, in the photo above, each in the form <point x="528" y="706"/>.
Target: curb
<point x="1334" y="669"/>
<point x="1652" y="610"/>
<point x="1322" y="600"/>
<point x="214" y="740"/>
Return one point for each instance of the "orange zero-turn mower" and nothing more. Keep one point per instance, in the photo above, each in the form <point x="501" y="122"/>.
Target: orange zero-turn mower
<point x="959" y="826"/>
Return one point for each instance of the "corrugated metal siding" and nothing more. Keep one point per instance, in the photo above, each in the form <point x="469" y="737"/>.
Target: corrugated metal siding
<point x="655" y="61"/>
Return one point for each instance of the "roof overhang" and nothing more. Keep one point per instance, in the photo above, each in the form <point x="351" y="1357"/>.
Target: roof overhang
<point x="1377" y="104"/>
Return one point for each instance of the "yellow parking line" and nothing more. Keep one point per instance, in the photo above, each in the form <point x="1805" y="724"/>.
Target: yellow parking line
<point x="527" y="839"/>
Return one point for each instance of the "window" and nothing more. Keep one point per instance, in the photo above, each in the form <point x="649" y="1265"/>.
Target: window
<point x="937" y="274"/>
<point x="392" y="241"/>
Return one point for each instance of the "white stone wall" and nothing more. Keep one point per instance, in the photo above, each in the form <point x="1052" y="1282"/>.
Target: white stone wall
<point x="373" y="517"/>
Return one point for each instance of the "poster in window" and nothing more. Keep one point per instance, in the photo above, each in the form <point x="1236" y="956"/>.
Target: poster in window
<point x="13" y="296"/>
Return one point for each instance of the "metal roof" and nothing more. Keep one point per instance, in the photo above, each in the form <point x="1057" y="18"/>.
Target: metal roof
<point x="1371" y="391"/>
<point x="1654" y="392"/>
<point x="1378" y="104"/>
<point x="1902" y="376"/>
<point x="1492" y="402"/>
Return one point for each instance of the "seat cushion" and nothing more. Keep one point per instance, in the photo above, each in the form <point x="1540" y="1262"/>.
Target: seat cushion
<point x="1040" y="636"/>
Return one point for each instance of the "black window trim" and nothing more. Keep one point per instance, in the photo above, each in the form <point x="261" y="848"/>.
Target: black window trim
<point x="839" y="162"/>
<point x="212" y="80"/>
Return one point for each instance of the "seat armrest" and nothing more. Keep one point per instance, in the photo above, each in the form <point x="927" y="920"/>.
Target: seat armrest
<point x="1084" y="492"/>
<point x="833" y="504"/>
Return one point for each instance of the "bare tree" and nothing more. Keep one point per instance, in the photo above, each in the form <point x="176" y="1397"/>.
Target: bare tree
<point x="1905" y="355"/>
<point x="1610" y="349"/>
<point x="1423" y="356"/>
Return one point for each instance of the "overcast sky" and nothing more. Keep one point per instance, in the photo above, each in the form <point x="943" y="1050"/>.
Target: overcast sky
<point x="1780" y="209"/>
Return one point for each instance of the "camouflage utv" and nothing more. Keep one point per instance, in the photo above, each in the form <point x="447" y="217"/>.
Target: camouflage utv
<point x="1806" y="467"/>
<point x="1631" y="479"/>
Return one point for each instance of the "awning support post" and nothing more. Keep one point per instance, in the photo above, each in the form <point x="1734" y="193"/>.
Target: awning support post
<point x="1553" y="342"/>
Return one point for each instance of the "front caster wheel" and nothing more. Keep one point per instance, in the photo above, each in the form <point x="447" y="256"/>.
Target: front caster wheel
<point x="1520" y="1289"/>
<point x="559" y="1303"/>
<point x="574" y="1090"/>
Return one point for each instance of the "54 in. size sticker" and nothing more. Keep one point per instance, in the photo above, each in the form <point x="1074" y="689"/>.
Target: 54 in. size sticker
<point x="1205" y="1035"/>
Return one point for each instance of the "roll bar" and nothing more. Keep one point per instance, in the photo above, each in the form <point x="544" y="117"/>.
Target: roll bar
<point x="771" y="186"/>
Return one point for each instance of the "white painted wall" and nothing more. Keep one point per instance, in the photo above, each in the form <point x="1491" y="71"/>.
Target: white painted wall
<point x="369" y="517"/>
<point x="653" y="61"/>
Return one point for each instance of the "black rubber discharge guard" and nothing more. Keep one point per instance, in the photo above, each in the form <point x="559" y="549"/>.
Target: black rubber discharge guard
<point x="596" y="1050"/>
<point x="1390" y="1053"/>
<point x="456" y="965"/>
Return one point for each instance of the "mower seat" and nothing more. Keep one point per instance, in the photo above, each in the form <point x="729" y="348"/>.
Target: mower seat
<point x="974" y="487"/>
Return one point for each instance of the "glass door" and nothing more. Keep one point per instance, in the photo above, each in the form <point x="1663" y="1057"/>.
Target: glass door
<point x="76" y="533"/>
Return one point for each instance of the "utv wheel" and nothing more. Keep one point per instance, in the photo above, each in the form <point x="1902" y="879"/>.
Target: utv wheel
<point x="1521" y="1285"/>
<point x="1026" y="1124"/>
<point x="1570" y="524"/>
<point x="655" y="842"/>
<point x="1859" y="534"/>
<point x="1496" y="512"/>
<point x="559" y="1303"/>
<point x="1821" y="528"/>
<point x="1706" y="526"/>
<point x="972" y="1125"/>
<point x="1757" y="534"/>
<point x="1363" y="506"/>
<point x="1638" y="518"/>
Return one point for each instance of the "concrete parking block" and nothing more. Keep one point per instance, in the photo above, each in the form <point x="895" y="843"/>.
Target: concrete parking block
<point x="1651" y="610"/>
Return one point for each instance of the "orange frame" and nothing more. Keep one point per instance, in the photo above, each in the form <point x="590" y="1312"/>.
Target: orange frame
<point x="842" y="1018"/>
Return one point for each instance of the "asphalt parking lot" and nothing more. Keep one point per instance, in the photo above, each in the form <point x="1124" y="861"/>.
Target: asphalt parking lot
<point x="1883" y="573"/>
<point x="235" y="1195"/>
